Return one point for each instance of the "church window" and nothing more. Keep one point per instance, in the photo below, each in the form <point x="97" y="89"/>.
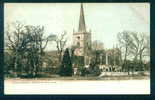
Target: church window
<point x="78" y="37"/>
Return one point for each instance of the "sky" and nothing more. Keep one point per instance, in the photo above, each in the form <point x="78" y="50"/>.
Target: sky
<point x="104" y="20"/>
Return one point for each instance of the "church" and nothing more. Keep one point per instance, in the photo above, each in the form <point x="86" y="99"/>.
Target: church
<point x="82" y="40"/>
<point x="83" y="53"/>
<point x="82" y="43"/>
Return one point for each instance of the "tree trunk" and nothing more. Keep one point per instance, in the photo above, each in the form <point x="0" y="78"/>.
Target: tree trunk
<point x="141" y="62"/>
<point x="15" y="65"/>
<point x="124" y="63"/>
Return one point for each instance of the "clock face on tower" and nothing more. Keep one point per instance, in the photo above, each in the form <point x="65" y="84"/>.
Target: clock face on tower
<point x="78" y="52"/>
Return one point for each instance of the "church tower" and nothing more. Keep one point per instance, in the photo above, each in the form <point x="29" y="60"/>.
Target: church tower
<point x="82" y="39"/>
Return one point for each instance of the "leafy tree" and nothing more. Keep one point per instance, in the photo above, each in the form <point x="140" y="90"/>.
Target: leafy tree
<point x="8" y="63"/>
<point x="66" y="64"/>
<point x="94" y="68"/>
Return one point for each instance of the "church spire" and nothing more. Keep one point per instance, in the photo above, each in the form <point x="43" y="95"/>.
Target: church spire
<point x="82" y="27"/>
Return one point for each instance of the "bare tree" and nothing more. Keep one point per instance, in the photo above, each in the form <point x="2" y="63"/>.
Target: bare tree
<point x="27" y="45"/>
<point x="139" y="44"/>
<point x="60" y="44"/>
<point x="133" y="44"/>
<point x="124" y="42"/>
<point x="16" y="40"/>
<point x="37" y="46"/>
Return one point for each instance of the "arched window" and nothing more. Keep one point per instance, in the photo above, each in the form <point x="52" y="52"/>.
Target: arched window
<point x="78" y="37"/>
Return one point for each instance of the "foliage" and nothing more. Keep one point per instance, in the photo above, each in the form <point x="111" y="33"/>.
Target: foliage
<point x="94" y="67"/>
<point x="66" y="64"/>
<point x="8" y="63"/>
